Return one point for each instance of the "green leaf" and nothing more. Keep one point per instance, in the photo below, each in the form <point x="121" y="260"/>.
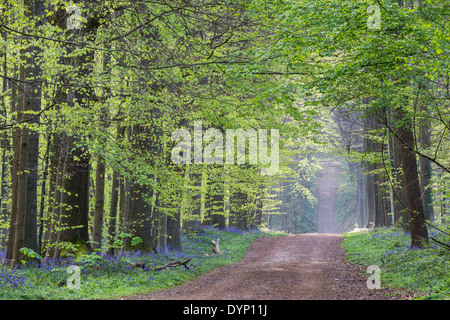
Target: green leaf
<point x="30" y="253"/>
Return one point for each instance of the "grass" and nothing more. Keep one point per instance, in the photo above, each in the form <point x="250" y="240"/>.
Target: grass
<point x="105" y="276"/>
<point x="420" y="273"/>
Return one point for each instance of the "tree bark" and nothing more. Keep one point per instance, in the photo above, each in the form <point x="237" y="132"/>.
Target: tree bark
<point x="27" y="144"/>
<point x="425" y="165"/>
<point x="400" y="210"/>
<point x="5" y="145"/>
<point x="173" y="231"/>
<point x="416" y="214"/>
<point x="74" y="216"/>
<point x="192" y="221"/>
<point x="97" y="228"/>
<point x="370" y="190"/>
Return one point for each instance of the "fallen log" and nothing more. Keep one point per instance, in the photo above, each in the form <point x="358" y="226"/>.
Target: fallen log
<point x="173" y="265"/>
<point x="167" y="265"/>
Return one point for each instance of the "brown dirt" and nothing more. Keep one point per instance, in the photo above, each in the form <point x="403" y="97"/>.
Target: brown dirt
<point x="295" y="267"/>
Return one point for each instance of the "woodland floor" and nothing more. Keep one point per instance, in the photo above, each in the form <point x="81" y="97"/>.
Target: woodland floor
<point x="294" y="267"/>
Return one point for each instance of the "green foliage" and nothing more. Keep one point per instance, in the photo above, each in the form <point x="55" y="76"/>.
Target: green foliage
<point x="30" y="253"/>
<point x="121" y="240"/>
<point x="93" y="259"/>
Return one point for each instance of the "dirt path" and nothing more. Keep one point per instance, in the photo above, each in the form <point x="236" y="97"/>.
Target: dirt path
<point x="296" y="267"/>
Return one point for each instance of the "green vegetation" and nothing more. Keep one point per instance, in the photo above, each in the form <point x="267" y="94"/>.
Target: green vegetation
<point x="104" y="276"/>
<point x="420" y="272"/>
<point x="113" y="116"/>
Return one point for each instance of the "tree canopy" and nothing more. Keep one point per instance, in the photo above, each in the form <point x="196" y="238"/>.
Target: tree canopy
<point x="93" y="91"/>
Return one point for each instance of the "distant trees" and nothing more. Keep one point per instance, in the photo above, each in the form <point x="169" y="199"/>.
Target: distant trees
<point x="387" y="73"/>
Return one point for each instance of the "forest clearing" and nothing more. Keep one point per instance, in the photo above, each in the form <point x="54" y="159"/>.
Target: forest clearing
<point x="295" y="148"/>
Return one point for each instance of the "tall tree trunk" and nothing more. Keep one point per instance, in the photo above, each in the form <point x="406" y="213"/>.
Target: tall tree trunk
<point x="14" y="171"/>
<point x="218" y="199"/>
<point x="27" y="143"/>
<point x="57" y="172"/>
<point x="400" y="207"/>
<point x="238" y="217"/>
<point x="425" y="165"/>
<point x="74" y="216"/>
<point x="124" y="204"/>
<point x="113" y="212"/>
<point x="4" y="144"/>
<point x="411" y="180"/>
<point x="140" y="211"/>
<point x="139" y="217"/>
<point x="173" y="231"/>
<point x="161" y="225"/>
<point x="370" y="190"/>
<point x="97" y="228"/>
<point x="192" y="221"/>
<point x="117" y="185"/>
<point x="43" y="195"/>
<point x="74" y="221"/>
<point x="214" y="202"/>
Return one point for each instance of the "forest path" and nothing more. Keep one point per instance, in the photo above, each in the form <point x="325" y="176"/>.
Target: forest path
<point x="294" y="267"/>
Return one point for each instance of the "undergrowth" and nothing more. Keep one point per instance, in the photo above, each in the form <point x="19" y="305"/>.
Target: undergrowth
<point x="103" y="276"/>
<point x="420" y="273"/>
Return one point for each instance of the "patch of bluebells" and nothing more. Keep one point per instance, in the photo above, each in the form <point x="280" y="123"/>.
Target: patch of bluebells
<point x="121" y="263"/>
<point x="402" y="242"/>
<point x="10" y="277"/>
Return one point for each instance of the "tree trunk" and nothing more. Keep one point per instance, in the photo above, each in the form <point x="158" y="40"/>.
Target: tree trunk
<point x="74" y="216"/>
<point x="57" y="172"/>
<point x="192" y="221"/>
<point x="14" y="171"/>
<point x="411" y="181"/>
<point x="238" y="218"/>
<point x="97" y="228"/>
<point x="214" y="205"/>
<point x="160" y="224"/>
<point x="400" y="207"/>
<point x="4" y="146"/>
<point x="25" y="218"/>
<point x="425" y="165"/>
<point x="74" y="220"/>
<point x="370" y="191"/>
<point x="140" y="211"/>
<point x="173" y="231"/>
<point x="139" y="217"/>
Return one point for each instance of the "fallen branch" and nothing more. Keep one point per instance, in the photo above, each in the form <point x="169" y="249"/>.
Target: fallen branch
<point x="167" y="265"/>
<point x="445" y="245"/>
<point x="173" y="265"/>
